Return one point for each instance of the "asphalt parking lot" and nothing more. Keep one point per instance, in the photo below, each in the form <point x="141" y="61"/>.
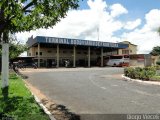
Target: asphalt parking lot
<point x="95" y="90"/>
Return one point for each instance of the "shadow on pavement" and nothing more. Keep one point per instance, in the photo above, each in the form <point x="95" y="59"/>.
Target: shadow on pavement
<point x="60" y="112"/>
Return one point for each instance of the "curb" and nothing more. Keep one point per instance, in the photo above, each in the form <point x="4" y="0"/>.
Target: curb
<point x="40" y="104"/>
<point x="43" y="107"/>
<point x="140" y="81"/>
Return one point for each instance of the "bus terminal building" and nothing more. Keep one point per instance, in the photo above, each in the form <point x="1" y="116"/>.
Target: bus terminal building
<point x="54" y="51"/>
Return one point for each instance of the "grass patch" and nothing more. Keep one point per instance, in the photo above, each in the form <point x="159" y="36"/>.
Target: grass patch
<point x="20" y="104"/>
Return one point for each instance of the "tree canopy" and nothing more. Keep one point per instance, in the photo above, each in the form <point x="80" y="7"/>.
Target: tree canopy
<point x="26" y="15"/>
<point x="155" y="51"/>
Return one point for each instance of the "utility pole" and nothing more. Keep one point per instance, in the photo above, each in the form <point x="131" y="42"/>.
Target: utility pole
<point x="98" y="32"/>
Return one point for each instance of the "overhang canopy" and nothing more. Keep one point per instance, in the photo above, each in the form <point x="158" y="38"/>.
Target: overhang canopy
<point x="78" y="42"/>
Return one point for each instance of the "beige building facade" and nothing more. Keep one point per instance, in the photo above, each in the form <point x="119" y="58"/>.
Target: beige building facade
<point x="131" y="49"/>
<point x="56" y="52"/>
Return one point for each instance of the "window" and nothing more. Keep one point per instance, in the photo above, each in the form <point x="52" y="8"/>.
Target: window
<point x="125" y="51"/>
<point x="116" y="57"/>
<point x="29" y="54"/>
<point x="41" y="60"/>
<point x="39" y="53"/>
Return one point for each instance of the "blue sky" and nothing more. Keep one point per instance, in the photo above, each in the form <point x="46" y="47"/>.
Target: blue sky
<point x="136" y="8"/>
<point x="141" y="6"/>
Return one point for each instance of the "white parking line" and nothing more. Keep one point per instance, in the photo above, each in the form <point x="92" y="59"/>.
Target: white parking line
<point x="103" y="88"/>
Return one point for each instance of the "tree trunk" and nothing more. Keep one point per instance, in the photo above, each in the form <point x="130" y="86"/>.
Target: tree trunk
<point x="5" y="65"/>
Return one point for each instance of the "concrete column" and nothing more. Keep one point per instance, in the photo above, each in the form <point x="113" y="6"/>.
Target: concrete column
<point x="57" y="55"/>
<point x="101" y="57"/>
<point x="74" y="56"/>
<point x="33" y="54"/>
<point x="30" y="51"/>
<point x="89" y="57"/>
<point x="38" y="54"/>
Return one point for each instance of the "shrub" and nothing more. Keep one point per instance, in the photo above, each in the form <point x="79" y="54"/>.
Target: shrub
<point x="157" y="67"/>
<point x="130" y="72"/>
<point x="140" y="73"/>
<point x="158" y="62"/>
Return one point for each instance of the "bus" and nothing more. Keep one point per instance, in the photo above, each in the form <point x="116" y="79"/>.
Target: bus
<point x="118" y="61"/>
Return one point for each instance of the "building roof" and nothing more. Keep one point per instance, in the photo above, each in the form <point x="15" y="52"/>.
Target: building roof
<point x="128" y="43"/>
<point x="68" y="41"/>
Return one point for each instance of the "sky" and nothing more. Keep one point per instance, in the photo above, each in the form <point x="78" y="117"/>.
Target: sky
<point x="136" y="21"/>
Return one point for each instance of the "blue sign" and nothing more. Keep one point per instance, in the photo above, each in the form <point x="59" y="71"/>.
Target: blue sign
<point x="67" y="41"/>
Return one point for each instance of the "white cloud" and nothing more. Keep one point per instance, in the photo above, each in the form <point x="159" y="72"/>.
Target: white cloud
<point x="145" y="40"/>
<point x="23" y="36"/>
<point x="84" y="24"/>
<point x="130" y="25"/>
<point x="152" y="19"/>
<point x="97" y="5"/>
<point x="118" y="9"/>
<point x="147" y="37"/>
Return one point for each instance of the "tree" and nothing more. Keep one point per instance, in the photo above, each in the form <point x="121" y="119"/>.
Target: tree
<point x="155" y="51"/>
<point x="15" y="47"/>
<point x="26" y="15"/>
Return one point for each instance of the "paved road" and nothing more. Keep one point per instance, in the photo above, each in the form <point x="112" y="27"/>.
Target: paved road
<point x="96" y="91"/>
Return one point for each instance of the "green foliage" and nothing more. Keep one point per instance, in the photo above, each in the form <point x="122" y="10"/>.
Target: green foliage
<point x="155" y="78"/>
<point x="130" y="72"/>
<point x="148" y="72"/>
<point x="20" y="104"/>
<point x="158" y="62"/>
<point x="26" y="15"/>
<point x="15" y="48"/>
<point x="140" y="73"/>
<point x="155" y="51"/>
